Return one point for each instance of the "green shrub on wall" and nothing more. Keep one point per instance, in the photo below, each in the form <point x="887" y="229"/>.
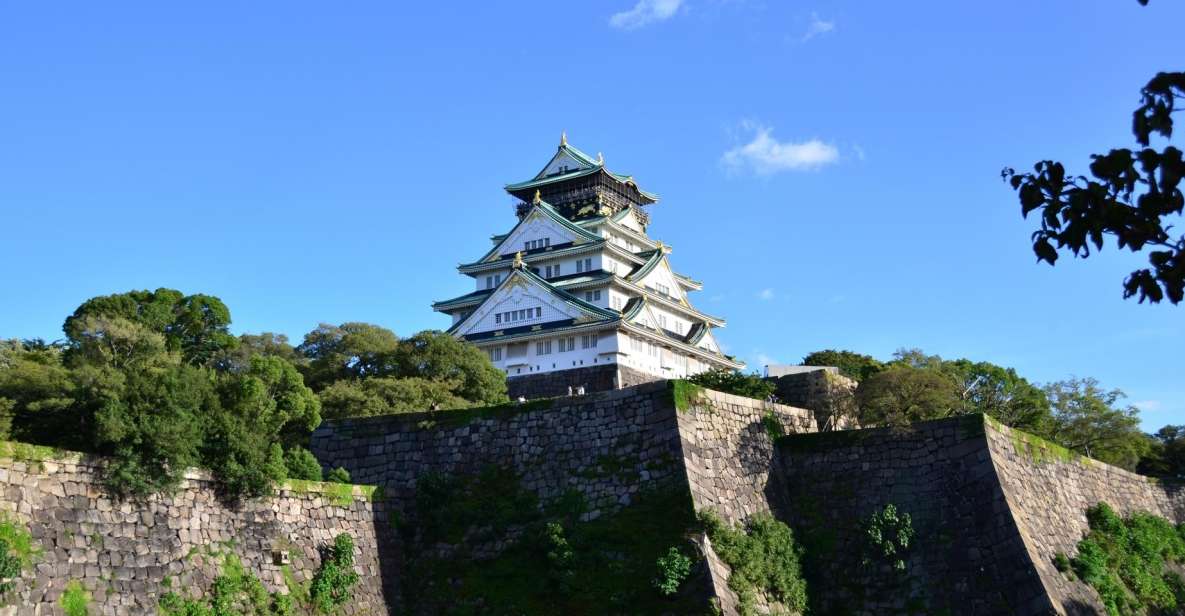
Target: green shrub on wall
<point x="333" y="585"/>
<point x="764" y="558"/>
<point x="673" y="568"/>
<point x="1125" y="560"/>
<point x="889" y="535"/>
<point x="17" y="552"/>
<point x="75" y="600"/>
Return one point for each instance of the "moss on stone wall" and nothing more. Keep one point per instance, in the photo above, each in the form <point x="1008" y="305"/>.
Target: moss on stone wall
<point x="1040" y="451"/>
<point x="685" y="394"/>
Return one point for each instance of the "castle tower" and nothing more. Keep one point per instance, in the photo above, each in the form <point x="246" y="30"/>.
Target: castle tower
<point x="577" y="294"/>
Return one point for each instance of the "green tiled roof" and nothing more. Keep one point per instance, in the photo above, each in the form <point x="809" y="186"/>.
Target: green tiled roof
<point x="550" y="212"/>
<point x="653" y="258"/>
<point x="604" y="314"/>
<point x="462" y="299"/>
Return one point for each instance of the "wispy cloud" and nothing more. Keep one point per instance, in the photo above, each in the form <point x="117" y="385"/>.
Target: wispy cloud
<point x="765" y="294"/>
<point x="1148" y="405"/>
<point x="766" y="155"/>
<point x="817" y="27"/>
<point x="765" y="360"/>
<point x="859" y="151"/>
<point x="645" y="12"/>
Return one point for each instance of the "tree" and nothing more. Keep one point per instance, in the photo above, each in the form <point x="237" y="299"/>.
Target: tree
<point x="999" y="393"/>
<point x="1166" y="455"/>
<point x="267" y="344"/>
<point x="852" y="365"/>
<point x="1089" y="420"/>
<point x="148" y="423"/>
<point x="39" y="394"/>
<point x="437" y="356"/>
<point x="902" y="394"/>
<point x="387" y="396"/>
<point x="196" y="326"/>
<point x="347" y="351"/>
<point x="259" y="408"/>
<point x="1133" y="198"/>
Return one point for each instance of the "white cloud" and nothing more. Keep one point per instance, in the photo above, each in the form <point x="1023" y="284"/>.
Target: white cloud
<point x="817" y="27"/>
<point x="859" y="151"/>
<point x="645" y="12"/>
<point x="1147" y="405"/>
<point x="765" y="294"/>
<point x="766" y="155"/>
<point x="764" y="360"/>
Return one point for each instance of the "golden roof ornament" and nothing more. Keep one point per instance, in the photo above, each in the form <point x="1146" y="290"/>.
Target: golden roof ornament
<point x="661" y="247"/>
<point x="600" y="159"/>
<point x="538" y="197"/>
<point x="518" y="260"/>
<point x="563" y="138"/>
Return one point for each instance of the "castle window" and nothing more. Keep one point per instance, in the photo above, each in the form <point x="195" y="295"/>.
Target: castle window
<point x="583" y="265"/>
<point x="538" y="312"/>
<point x="543" y="347"/>
<point x="662" y="288"/>
<point x="567" y="344"/>
<point x="589" y="341"/>
<point x="498" y="318"/>
<point x="495" y="353"/>
<point x="592" y="296"/>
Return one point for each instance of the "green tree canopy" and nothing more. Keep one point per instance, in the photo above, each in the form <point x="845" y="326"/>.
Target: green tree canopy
<point x="347" y="351"/>
<point x="388" y="395"/>
<point x="1166" y="455"/>
<point x="437" y="356"/>
<point x="853" y="365"/>
<point x="196" y="326"/>
<point x="1090" y="421"/>
<point x="735" y="382"/>
<point x="902" y="394"/>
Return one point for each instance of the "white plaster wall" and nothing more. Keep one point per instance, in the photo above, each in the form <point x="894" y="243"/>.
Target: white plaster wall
<point x="534" y="363"/>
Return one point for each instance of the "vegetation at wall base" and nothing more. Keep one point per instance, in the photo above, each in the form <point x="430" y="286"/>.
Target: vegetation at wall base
<point x="764" y="558"/>
<point x="1124" y="560"/>
<point x="553" y="559"/>
<point x="236" y="592"/>
<point x="18" y="551"/>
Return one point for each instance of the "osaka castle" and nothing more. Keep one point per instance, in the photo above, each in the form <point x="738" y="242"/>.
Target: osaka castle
<point x="577" y="294"/>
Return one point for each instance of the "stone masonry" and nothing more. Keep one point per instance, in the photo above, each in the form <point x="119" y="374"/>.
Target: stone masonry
<point x="990" y="507"/>
<point x="718" y="446"/>
<point x="1048" y="494"/>
<point x="605" y="377"/>
<point x="126" y="554"/>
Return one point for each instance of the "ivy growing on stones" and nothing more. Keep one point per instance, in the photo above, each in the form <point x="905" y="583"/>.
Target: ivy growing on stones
<point x="889" y="535"/>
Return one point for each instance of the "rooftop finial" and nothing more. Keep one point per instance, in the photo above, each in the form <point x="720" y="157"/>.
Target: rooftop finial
<point x="600" y="158"/>
<point x="537" y="198"/>
<point x="661" y="246"/>
<point x="518" y="260"/>
<point x="563" y="138"/>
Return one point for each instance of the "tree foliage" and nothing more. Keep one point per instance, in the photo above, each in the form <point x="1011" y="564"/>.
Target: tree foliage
<point x="196" y="326"/>
<point x="1089" y="420"/>
<point x="1134" y="195"/>
<point x="902" y="394"/>
<point x="1166" y="453"/>
<point x="735" y="382"/>
<point x="856" y="366"/>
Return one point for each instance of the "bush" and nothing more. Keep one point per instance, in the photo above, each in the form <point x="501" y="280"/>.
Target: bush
<point x="334" y="582"/>
<point x="763" y="556"/>
<point x="1125" y="560"/>
<point x="300" y="463"/>
<point x="673" y="568"/>
<point x="889" y="536"/>
<point x="75" y="601"/>
<point x="735" y="382"/>
<point x="10" y="567"/>
<point x="338" y="475"/>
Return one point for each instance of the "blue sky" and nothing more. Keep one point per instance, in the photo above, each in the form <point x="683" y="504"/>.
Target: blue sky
<point x="830" y="170"/>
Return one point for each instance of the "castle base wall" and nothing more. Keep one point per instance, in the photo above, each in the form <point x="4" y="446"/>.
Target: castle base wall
<point x="606" y="377"/>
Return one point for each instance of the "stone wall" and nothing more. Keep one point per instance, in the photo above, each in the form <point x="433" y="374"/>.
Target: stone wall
<point x="826" y="392"/>
<point x="608" y="445"/>
<point x="968" y="556"/>
<point x="728" y="457"/>
<point x="126" y="554"/>
<point x="1048" y="492"/>
<point x="592" y="378"/>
